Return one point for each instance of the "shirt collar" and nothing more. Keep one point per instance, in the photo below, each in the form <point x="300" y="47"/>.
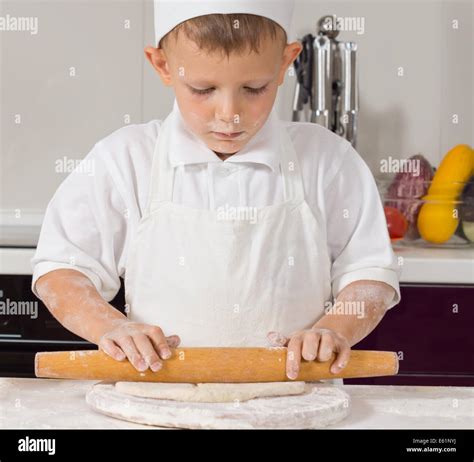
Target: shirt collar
<point x="186" y="148"/>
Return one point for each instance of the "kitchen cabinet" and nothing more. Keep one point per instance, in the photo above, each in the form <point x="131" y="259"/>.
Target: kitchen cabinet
<point x="22" y="336"/>
<point x="431" y="330"/>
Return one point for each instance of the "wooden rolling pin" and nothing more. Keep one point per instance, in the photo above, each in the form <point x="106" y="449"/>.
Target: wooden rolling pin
<point x="218" y="365"/>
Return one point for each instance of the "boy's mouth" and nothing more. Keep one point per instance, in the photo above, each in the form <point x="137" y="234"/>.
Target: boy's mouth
<point x="227" y="136"/>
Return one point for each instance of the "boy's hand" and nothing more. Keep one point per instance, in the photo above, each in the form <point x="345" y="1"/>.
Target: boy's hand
<point x="142" y="344"/>
<point x="312" y="344"/>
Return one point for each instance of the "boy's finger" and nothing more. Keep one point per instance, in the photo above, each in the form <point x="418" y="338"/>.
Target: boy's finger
<point x="128" y="346"/>
<point x="293" y="358"/>
<point x="310" y="345"/>
<point x="146" y="349"/>
<point x="159" y="341"/>
<point x="109" y="347"/>
<point x="342" y="358"/>
<point x="326" y="347"/>
<point x="173" y="341"/>
<point x="277" y="340"/>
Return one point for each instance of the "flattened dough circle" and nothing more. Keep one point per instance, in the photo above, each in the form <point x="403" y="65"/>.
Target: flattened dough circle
<point x="319" y="406"/>
<point x="210" y="392"/>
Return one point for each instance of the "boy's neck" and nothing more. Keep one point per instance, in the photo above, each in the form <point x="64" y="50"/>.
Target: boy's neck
<point x="223" y="156"/>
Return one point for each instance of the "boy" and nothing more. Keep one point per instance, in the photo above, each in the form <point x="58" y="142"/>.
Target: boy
<point x="247" y="228"/>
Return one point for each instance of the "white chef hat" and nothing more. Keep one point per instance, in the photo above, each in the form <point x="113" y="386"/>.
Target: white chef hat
<point x="170" y="13"/>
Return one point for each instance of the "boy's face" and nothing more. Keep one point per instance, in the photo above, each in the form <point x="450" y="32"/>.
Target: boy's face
<point x="224" y="101"/>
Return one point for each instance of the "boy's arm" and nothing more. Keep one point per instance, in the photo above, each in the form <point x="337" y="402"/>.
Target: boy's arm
<point x="74" y="301"/>
<point x="365" y="303"/>
<point x="364" y="269"/>
<point x="359" y="307"/>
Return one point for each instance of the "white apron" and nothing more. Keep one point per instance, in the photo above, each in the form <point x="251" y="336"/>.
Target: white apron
<point x="216" y="280"/>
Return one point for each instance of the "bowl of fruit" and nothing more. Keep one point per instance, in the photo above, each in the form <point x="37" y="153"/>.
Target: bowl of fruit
<point x="432" y="207"/>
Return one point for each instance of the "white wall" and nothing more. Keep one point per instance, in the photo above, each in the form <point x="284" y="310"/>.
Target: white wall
<point x="64" y="115"/>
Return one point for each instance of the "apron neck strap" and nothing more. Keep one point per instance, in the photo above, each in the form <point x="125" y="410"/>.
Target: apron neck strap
<point x="290" y="168"/>
<point x="162" y="172"/>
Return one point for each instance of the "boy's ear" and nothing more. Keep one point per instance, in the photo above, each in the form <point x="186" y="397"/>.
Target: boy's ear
<point x="290" y="53"/>
<point x="157" y="58"/>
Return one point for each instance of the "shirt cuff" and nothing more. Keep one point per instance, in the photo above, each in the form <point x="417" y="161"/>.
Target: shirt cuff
<point x="388" y="276"/>
<point x="42" y="268"/>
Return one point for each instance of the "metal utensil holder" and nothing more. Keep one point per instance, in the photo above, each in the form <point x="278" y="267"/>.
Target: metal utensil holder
<point x="327" y="83"/>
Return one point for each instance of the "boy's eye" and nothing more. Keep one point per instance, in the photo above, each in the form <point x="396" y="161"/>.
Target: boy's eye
<point x="196" y="91"/>
<point x="256" y="91"/>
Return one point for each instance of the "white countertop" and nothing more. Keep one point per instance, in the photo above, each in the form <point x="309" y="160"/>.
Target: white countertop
<point x="441" y="266"/>
<point x="419" y="265"/>
<point x="51" y="403"/>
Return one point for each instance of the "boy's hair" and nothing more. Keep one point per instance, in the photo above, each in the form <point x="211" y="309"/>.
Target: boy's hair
<point x="228" y="33"/>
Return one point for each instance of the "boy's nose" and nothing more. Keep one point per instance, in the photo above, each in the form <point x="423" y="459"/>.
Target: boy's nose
<point x="228" y="110"/>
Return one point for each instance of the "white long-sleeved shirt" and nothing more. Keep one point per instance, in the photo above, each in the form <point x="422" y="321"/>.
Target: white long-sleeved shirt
<point x="91" y="219"/>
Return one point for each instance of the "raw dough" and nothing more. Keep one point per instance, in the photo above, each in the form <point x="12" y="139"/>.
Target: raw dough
<point x="319" y="406"/>
<point x="209" y="392"/>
